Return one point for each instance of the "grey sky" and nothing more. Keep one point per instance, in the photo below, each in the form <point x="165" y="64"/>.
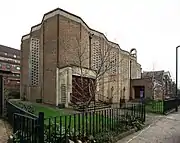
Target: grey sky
<point x="150" y="26"/>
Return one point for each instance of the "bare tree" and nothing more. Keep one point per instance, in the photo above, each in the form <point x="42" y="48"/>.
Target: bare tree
<point x="156" y="87"/>
<point x="158" y="90"/>
<point x="106" y="63"/>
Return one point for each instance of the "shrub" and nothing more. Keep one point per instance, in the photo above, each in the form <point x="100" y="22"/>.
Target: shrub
<point x="148" y="100"/>
<point x="38" y="100"/>
<point x="131" y="122"/>
<point x="14" y="95"/>
<point x="52" y="132"/>
<point x="105" y="137"/>
<point x="27" y="107"/>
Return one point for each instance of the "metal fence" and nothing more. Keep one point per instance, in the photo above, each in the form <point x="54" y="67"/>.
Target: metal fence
<point x="162" y="106"/>
<point x="12" y="108"/>
<point x="29" y="128"/>
<point x="171" y="104"/>
<point x="154" y="106"/>
<point x="25" y="129"/>
<point x="80" y="126"/>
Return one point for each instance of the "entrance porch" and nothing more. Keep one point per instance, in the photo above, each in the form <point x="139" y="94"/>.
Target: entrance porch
<point x="72" y="85"/>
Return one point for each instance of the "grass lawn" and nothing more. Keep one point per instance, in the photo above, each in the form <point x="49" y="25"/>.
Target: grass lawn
<point x="60" y="121"/>
<point x="68" y="118"/>
<point x="48" y="110"/>
<point x="152" y="106"/>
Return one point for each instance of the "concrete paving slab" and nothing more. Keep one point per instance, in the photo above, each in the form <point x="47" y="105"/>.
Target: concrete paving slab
<point x="164" y="130"/>
<point x="3" y="133"/>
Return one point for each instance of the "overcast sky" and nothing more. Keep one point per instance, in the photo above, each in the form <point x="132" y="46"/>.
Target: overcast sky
<point x="150" y="26"/>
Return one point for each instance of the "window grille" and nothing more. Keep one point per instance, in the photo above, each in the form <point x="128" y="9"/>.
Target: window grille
<point x="34" y="61"/>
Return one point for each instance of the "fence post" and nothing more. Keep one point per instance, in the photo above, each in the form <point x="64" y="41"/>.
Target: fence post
<point x="41" y="127"/>
<point x="132" y="110"/>
<point x="144" y="112"/>
<point x="163" y="107"/>
<point x="176" y="104"/>
<point x="141" y="111"/>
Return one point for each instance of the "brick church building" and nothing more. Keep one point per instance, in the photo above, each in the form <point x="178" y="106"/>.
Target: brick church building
<point x="50" y="61"/>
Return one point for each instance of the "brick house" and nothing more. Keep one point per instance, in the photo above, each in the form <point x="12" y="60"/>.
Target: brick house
<point x="156" y="85"/>
<point x="50" y="61"/>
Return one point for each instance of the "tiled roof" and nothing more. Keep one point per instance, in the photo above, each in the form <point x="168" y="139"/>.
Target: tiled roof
<point x="158" y="75"/>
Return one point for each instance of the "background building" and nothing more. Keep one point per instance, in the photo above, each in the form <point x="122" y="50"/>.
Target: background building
<point x="60" y="50"/>
<point x="10" y="67"/>
<point x="156" y="85"/>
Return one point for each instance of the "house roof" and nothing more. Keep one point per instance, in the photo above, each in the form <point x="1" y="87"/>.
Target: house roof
<point x="158" y="75"/>
<point x="9" y="50"/>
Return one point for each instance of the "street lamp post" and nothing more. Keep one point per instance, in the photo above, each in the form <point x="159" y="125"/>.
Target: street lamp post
<point x="177" y="76"/>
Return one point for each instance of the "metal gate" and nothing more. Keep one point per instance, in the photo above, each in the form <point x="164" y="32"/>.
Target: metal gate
<point x="27" y="129"/>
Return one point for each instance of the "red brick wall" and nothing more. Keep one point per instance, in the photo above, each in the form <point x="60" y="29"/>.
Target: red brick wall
<point x="25" y="47"/>
<point x="50" y="60"/>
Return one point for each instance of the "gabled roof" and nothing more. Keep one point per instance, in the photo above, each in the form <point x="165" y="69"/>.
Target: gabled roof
<point x="158" y="75"/>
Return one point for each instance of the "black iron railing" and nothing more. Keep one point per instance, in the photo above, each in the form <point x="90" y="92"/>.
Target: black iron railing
<point x="30" y="128"/>
<point x="171" y="104"/>
<point x="12" y="109"/>
<point x="155" y="106"/>
<point x="27" y="126"/>
<point x="162" y="106"/>
<point x="82" y="125"/>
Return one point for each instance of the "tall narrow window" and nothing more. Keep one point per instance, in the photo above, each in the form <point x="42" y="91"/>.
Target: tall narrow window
<point x="113" y="60"/>
<point x="34" y="62"/>
<point x="96" y="51"/>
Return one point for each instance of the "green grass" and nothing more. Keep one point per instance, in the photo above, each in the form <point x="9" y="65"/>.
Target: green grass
<point x="68" y="117"/>
<point x="152" y="106"/>
<point x="155" y="107"/>
<point x="96" y="122"/>
<point x="48" y="110"/>
<point x="57" y="120"/>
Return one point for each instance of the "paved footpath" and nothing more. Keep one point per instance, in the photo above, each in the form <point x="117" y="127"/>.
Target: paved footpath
<point x="163" y="130"/>
<point x="3" y="132"/>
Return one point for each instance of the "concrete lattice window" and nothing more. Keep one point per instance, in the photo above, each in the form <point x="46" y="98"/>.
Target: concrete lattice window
<point x="34" y="62"/>
<point x="96" y="57"/>
<point x="113" y="60"/>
